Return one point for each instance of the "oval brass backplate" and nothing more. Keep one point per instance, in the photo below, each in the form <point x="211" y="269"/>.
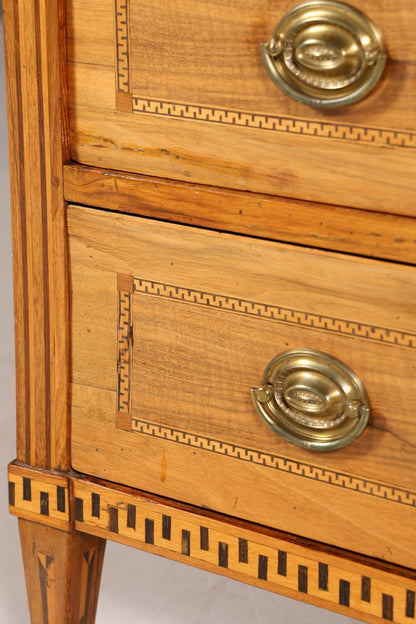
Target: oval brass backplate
<point x="325" y="54"/>
<point x="312" y="399"/>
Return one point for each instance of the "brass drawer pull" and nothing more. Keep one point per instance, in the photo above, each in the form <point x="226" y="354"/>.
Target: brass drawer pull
<point x="312" y="399"/>
<point x="325" y="54"/>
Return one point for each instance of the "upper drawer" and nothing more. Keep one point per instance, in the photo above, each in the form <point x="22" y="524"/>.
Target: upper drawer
<point x="172" y="326"/>
<point x="178" y="89"/>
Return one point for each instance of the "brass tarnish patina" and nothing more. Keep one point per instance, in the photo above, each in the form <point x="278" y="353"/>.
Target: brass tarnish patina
<point x="325" y="54"/>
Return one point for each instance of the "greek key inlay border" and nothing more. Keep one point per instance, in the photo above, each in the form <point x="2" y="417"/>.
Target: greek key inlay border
<point x="274" y="123"/>
<point x="122" y="45"/>
<point x="129" y="285"/>
<point x="276" y="313"/>
<point x="283" y="464"/>
<point x="219" y="115"/>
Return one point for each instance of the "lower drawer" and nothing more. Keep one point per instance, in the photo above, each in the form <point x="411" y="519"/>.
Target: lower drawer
<point x="172" y="326"/>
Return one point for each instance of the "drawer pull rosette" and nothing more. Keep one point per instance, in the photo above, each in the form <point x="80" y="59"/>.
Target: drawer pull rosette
<point x="312" y="399"/>
<point x="325" y="54"/>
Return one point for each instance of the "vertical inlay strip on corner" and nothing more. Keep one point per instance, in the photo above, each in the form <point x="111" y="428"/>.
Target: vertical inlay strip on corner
<point x="44" y="205"/>
<point x="20" y="246"/>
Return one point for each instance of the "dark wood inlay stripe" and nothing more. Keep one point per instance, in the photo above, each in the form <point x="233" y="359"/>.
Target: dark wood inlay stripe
<point x="387" y="602"/>
<point x="44" y="582"/>
<point x="89" y="557"/>
<point x="22" y="290"/>
<point x="149" y="531"/>
<point x="12" y="493"/>
<point x="323" y="576"/>
<point x="44" y="503"/>
<point x="303" y="579"/>
<point x="113" y="519"/>
<point x="263" y="562"/>
<point x="410" y="604"/>
<point x="344" y="593"/>
<point x="366" y="588"/>
<point x="282" y="562"/>
<point x="131" y="516"/>
<point x="27" y="489"/>
<point x="61" y="498"/>
<point x="166" y="527"/>
<point x="186" y="542"/>
<point x="43" y="204"/>
<point x="223" y="555"/>
<point x="204" y="538"/>
<point x="242" y="550"/>
<point x="95" y="505"/>
<point x="79" y="509"/>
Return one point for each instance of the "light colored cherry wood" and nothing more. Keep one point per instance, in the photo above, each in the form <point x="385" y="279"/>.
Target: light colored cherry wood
<point x="179" y="90"/>
<point x="364" y="233"/>
<point x="34" y="43"/>
<point x="179" y="351"/>
<point x="63" y="571"/>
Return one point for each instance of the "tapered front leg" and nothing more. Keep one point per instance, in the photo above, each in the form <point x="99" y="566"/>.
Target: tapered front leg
<point x="63" y="571"/>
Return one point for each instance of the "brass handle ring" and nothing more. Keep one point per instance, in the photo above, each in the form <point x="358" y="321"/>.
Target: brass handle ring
<point x="312" y="400"/>
<point x="325" y="54"/>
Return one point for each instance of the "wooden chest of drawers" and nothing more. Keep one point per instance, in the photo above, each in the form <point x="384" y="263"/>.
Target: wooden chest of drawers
<point x="181" y="226"/>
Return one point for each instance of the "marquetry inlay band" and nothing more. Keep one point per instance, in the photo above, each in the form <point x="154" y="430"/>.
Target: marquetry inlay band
<point x="267" y="559"/>
<point x="39" y="495"/>
<point x="128" y="286"/>
<point x="283" y="464"/>
<point x="276" y="313"/>
<point x="253" y="557"/>
<point x="124" y="350"/>
<point x="122" y="47"/>
<point x="274" y="123"/>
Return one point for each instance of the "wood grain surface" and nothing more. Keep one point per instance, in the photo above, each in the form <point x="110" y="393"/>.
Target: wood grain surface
<point x="361" y="232"/>
<point x="63" y="572"/>
<point x="35" y="45"/>
<point x="171" y="326"/>
<point x="154" y="92"/>
<point x="57" y="560"/>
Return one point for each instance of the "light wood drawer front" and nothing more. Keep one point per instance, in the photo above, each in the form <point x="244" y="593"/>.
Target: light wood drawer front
<point x="171" y="326"/>
<point x="179" y="90"/>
